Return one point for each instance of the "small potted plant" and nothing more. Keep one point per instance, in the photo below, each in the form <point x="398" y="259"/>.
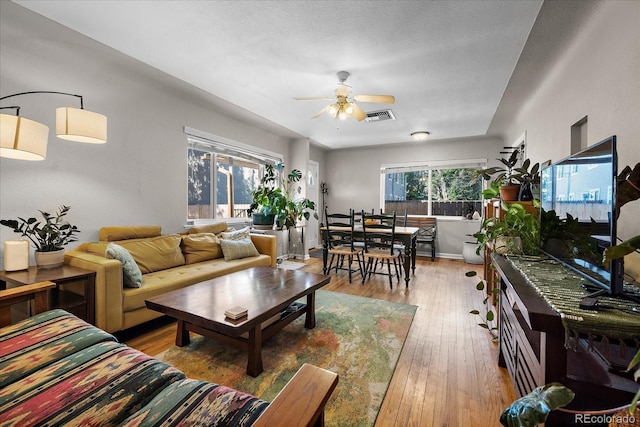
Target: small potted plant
<point x="509" y="179"/>
<point x="48" y="237"/>
<point x="517" y="232"/>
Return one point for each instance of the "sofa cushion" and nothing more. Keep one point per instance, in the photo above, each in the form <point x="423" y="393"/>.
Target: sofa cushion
<point x="160" y="282"/>
<point x="200" y="247"/>
<point x="186" y="401"/>
<point x="155" y="253"/>
<point x="241" y="234"/>
<point x="23" y="344"/>
<point x="237" y="249"/>
<point x="131" y="274"/>
<point x="99" y="385"/>
<point x="125" y="232"/>
<point x="215" y="228"/>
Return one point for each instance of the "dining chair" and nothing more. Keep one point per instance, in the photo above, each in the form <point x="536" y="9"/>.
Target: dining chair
<point x="401" y="221"/>
<point x="340" y="243"/>
<point x="379" y="236"/>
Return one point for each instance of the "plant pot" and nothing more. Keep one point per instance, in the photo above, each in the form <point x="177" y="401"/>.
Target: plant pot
<point x="508" y="245"/>
<point x="469" y="253"/>
<point x="509" y="193"/>
<point x="262" y="221"/>
<point x="525" y="193"/>
<point x="52" y="259"/>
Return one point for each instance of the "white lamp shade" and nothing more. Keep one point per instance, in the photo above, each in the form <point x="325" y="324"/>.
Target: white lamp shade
<point x="22" y="138"/>
<point x="80" y="125"/>
<point x="16" y="255"/>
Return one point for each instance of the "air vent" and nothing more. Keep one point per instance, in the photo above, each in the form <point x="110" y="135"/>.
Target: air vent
<point x="379" y="116"/>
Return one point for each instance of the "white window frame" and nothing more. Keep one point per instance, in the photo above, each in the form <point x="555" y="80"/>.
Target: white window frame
<point x="426" y="166"/>
<point x="217" y="145"/>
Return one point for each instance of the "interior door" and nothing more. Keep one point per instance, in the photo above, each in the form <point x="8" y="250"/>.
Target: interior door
<point x="312" y="228"/>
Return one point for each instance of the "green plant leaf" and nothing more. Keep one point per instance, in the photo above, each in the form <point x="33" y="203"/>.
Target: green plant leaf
<point x="534" y="408"/>
<point x="490" y="316"/>
<point x="474" y="312"/>
<point x="621" y="250"/>
<point x="471" y="273"/>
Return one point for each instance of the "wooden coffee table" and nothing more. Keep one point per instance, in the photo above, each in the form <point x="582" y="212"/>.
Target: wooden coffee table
<point x="263" y="291"/>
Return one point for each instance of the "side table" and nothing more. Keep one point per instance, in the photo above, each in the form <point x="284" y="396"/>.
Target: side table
<point x="82" y="306"/>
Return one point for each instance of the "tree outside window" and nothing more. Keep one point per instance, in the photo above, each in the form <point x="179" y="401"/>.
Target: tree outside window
<point x="433" y="192"/>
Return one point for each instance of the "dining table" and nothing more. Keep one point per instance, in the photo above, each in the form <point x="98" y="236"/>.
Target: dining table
<point x="408" y="236"/>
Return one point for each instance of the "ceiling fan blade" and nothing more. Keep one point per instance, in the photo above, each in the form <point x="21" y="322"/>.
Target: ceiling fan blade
<point x="386" y="99"/>
<point x="313" y="98"/>
<point x="321" y="112"/>
<point x="358" y="113"/>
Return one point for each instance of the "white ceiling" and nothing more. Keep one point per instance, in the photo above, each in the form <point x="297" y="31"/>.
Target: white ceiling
<point x="446" y="62"/>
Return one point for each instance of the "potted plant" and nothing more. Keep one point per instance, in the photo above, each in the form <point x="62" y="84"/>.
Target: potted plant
<point x="502" y="176"/>
<point x="517" y="232"/>
<point x="276" y="197"/>
<point x="529" y="181"/>
<point x="48" y="237"/>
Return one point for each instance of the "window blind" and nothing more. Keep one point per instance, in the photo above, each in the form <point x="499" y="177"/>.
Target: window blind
<point x="205" y="141"/>
<point x="433" y="164"/>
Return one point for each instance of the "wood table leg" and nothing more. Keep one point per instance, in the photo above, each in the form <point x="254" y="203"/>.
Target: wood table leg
<point x="407" y="265"/>
<point x="310" y="317"/>
<point x="182" y="334"/>
<point x="254" y="362"/>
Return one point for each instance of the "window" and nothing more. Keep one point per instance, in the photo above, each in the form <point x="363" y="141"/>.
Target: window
<point x="436" y="188"/>
<point x="221" y="175"/>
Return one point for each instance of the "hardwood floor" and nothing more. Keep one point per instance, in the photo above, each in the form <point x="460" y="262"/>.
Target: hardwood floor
<point x="447" y="374"/>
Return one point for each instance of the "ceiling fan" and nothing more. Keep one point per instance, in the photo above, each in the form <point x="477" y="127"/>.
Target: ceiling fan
<point x="344" y="104"/>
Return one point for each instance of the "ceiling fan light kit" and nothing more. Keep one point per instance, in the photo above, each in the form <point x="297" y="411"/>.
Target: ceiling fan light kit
<point x="344" y="105"/>
<point x="420" y="135"/>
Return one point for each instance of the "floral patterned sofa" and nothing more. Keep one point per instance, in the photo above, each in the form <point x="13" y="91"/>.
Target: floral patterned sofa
<point x="57" y="370"/>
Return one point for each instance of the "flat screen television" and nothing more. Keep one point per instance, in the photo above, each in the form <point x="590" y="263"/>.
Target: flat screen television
<point x="581" y="190"/>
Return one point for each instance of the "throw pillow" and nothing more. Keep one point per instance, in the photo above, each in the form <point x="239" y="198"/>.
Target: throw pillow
<point x="241" y="234"/>
<point x="200" y="247"/>
<point x="131" y="274"/>
<point x="236" y="249"/>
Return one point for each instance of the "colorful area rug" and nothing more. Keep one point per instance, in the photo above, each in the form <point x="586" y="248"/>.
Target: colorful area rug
<point x="358" y="338"/>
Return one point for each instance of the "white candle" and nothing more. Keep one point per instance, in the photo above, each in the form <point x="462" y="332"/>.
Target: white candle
<point x="16" y="255"/>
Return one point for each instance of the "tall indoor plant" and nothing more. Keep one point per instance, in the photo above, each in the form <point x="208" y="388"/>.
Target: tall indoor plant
<point x="48" y="237"/>
<point x="277" y="195"/>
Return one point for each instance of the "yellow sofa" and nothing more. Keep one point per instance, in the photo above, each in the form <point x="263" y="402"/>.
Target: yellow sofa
<point x="166" y="261"/>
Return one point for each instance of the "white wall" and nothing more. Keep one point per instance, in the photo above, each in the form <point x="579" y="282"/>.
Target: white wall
<point x="598" y="75"/>
<point x="139" y="175"/>
<point x="353" y="175"/>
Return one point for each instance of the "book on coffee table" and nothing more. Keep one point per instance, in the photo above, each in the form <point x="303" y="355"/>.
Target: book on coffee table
<point x="236" y="312"/>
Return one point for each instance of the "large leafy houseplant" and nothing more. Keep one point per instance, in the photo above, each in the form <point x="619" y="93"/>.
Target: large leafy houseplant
<point x="49" y="235"/>
<point x="276" y="195"/>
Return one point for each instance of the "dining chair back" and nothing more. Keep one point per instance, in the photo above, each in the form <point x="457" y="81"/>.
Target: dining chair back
<point x="379" y="248"/>
<point x="340" y="243"/>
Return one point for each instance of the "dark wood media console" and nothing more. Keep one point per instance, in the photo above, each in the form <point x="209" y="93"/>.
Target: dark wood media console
<point x="532" y="348"/>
